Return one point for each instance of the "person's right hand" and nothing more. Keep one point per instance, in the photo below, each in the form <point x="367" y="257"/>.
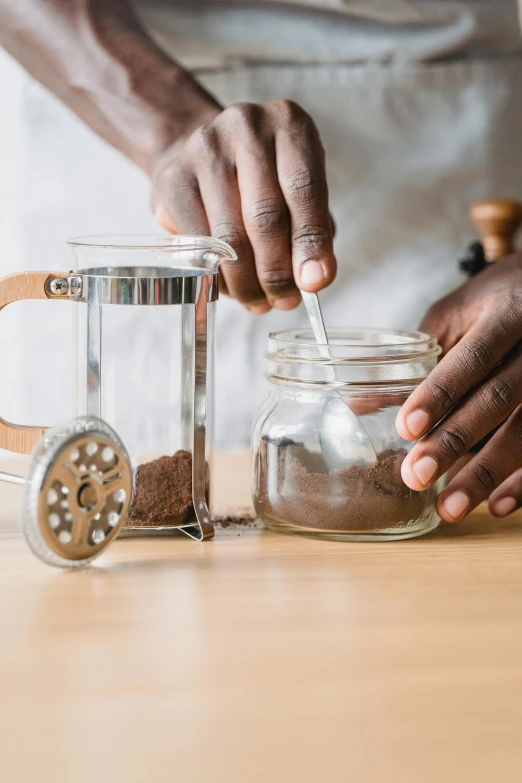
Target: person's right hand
<point x="255" y="177"/>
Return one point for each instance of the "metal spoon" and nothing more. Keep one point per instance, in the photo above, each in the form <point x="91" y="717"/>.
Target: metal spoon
<point x="344" y="441"/>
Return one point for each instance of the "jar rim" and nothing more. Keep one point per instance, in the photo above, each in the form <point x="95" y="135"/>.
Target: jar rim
<point x="356" y="356"/>
<point x="354" y="344"/>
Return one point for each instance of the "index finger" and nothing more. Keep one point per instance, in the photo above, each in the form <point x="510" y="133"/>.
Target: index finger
<point x="302" y="176"/>
<point x="463" y="368"/>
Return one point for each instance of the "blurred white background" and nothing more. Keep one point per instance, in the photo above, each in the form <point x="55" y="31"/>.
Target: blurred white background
<point x="54" y="184"/>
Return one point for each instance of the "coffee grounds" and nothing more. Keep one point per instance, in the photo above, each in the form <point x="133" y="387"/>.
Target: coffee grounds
<point x="236" y="522"/>
<point x="163" y="492"/>
<point x="353" y="499"/>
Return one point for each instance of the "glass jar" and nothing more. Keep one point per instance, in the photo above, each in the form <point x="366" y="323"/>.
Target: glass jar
<point x="296" y="489"/>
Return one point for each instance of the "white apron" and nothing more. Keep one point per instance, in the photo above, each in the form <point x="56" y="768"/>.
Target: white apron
<point x="410" y="143"/>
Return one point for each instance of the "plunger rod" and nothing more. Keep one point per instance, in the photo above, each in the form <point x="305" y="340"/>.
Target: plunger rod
<point x="11" y="478"/>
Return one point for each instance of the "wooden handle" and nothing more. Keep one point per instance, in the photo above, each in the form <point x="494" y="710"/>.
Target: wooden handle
<point x="497" y="221"/>
<point x="15" y="288"/>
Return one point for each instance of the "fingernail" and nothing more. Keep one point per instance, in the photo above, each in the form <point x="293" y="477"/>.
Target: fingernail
<point x="504" y="506"/>
<point x="287" y="304"/>
<point x="260" y="309"/>
<point x="416" y="422"/>
<point x="456" y="504"/>
<point x="425" y="468"/>
<point x="312" y="272"/>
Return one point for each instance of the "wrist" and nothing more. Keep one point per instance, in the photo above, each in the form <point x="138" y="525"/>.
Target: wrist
<point x="147" y="107"/>
<point x="171" y="111"/>
<point x="128" y="90"/>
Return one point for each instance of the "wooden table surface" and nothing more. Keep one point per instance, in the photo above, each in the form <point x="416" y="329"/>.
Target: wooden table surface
<point x="259" y="658"/>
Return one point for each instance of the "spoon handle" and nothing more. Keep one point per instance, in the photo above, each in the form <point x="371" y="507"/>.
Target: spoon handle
<point x="315" y="316"/>
<point x="338" y="453"/>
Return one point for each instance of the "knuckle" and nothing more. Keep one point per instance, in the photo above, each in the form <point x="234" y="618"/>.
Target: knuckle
<point x="312" y="236"/>
<point x="500" y="396"/>
<point x="248" y="128"/>
<point x="267" y="217"/>
<point x="230" y="233"/>
<point x="476" y="355"/>
<point x="486" y="475"/>
<point x="507" y="306"/>
<point x="277" y="280"/>
<point x="505" y="315"/>
<point x="453" y="441"/>
<point x="244" y="116"/>
<point x="443" y="394"/>
<point x="289" y="110"/>
<point x="204" y="142"/>
<point x="306" y="188"/>
<point x="296" y="121"/>
<point x="515" y="301"/>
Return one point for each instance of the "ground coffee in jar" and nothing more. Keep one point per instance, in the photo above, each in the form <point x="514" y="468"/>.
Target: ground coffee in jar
<point x="308" y="494"/>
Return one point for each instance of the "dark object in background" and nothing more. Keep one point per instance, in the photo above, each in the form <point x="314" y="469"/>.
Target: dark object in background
<point x="474" y="260"/>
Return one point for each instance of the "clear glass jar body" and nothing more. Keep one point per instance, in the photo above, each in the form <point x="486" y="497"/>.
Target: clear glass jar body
<point x="145" y="331"/>
<point x="295" y="488"/>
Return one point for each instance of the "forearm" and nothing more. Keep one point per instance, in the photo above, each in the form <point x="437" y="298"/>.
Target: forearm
<point x="97" y="58"/>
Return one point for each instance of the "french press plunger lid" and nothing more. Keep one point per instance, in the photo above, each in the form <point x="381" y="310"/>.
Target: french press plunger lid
<point x="77" y="492"/>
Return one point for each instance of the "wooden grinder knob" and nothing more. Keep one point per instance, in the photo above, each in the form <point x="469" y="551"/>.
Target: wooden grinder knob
<point x="497" y="221"/>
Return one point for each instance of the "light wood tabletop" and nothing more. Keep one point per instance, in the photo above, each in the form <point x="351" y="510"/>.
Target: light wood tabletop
<point x="262" y="658"/>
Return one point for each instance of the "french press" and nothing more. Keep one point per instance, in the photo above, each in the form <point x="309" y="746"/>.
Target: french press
<point x="144" y="380"/>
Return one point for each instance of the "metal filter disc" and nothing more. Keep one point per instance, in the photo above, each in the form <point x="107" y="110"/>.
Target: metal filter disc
<point x="77" y="493"/>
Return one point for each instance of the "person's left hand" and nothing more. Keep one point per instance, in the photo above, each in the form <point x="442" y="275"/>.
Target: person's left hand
<point x="476" y="387"/>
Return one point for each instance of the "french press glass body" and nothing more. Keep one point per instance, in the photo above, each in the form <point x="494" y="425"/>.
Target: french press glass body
<point x="145" y="336"/>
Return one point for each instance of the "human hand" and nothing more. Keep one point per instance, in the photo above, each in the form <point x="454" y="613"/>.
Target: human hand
<point x="476" y="387"/>
<point x="255" y="177"/>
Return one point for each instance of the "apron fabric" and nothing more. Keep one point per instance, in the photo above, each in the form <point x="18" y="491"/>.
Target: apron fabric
<point x="215" y="35"/>
<point x="410" y="143"/>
